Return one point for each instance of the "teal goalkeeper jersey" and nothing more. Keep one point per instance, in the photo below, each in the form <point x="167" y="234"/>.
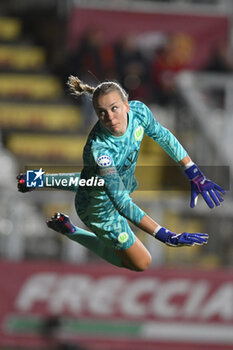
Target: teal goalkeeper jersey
<point x="114" y="160"/>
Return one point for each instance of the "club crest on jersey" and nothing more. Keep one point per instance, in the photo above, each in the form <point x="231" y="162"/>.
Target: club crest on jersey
<point x="104" y="161"/>
<point x="138" y="133"/>
<point x="123" y="237"/>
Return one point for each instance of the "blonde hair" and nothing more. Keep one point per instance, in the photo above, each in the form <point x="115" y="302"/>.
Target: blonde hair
<point x="77" y="88"/>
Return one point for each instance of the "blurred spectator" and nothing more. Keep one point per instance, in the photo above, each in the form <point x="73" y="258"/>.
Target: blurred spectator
<point x="169" y="59"/>
<point x="92" y="61"/>
<point x="8" y="169"/>
<point x="132" y="68"/>
<point x="92" y="55"/>
<point x="221" y="60"/>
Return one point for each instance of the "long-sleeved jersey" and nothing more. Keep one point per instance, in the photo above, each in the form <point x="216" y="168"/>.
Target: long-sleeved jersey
<point x="114" y="160"/>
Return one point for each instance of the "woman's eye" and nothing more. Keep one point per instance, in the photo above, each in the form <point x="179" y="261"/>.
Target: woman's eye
<point x="114" y="109"/>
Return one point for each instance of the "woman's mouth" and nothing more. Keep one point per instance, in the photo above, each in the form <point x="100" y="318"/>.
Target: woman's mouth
<point x="112" y="125"/>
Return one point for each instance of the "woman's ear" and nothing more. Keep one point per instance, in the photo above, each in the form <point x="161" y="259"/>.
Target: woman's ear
<point x="127" y="106"/>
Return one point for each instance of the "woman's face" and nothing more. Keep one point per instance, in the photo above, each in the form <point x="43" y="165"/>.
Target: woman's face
<point x="112" y="113"/>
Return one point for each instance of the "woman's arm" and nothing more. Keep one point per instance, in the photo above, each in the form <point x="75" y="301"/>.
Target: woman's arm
<point x="170" y="238"/>
<point x="148" y="225"/>
<point x="185" y="161"/>
<point x="119" y="195"/>
<point x="200" y="184"/>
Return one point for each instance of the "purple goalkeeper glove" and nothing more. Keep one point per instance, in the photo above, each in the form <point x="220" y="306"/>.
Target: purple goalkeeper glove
<point x="181" y="239"/>
<point x="201" y="184"/>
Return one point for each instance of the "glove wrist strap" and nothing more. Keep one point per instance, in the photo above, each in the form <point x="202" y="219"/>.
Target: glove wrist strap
<point x="188" y="165"/>
<point x="163" y="234"/>
<point x="192" y="172"/>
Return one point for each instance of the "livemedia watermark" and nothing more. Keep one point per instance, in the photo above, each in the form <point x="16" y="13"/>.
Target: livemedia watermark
<point x="38" y="179"/>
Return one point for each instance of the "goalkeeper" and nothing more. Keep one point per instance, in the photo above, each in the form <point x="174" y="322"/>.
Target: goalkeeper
<point x="111" y="153"/>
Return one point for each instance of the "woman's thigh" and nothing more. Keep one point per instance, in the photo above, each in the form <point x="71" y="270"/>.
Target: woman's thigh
<point x="114" y="230"/>
<point x="136" y="258"/>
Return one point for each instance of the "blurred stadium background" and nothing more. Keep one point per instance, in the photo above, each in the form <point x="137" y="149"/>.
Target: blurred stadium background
<point x="176" y="56"/>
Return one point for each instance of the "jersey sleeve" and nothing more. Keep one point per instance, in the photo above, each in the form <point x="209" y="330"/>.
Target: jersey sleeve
<point x="163" y="136"/>
<point x="114" y="186"/>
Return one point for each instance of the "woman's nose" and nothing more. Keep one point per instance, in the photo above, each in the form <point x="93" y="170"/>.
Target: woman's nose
<point x="110" y="116"/>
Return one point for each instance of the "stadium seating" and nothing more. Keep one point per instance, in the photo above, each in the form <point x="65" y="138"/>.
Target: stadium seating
<point x="45" y="148"/>
<point x="34" y="87"/>
<point x="21" y="57"/>
<point x="48" y="117"/>
<point x="34" y="111"/>
<point x="10" y="28"/>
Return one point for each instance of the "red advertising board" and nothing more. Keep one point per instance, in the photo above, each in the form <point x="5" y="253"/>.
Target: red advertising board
<point x="198" y="34"/>
<point x="101" y="306"/>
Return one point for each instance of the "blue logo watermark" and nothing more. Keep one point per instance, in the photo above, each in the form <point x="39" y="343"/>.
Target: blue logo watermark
<point x="35" y="178"/>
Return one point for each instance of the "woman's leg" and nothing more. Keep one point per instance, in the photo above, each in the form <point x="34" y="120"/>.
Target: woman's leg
<point x="136" y="258"/>
<point x="61" y="223"/>
<point x="96" y="245"/>
<point x="126" y="245"/>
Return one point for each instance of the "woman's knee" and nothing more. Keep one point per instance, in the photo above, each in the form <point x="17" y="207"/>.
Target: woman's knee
<point x="136" y="258"/>
<point x="143" y="263"/>
<point x="140" y="265"/>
